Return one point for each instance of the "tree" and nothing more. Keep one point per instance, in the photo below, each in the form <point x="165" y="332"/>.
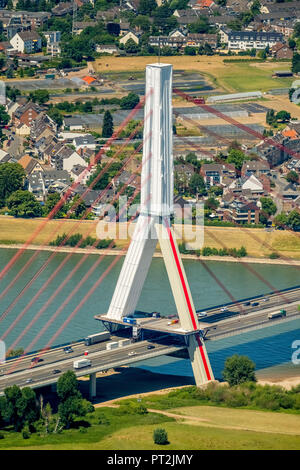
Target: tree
<point x="262" y="54"/>
<point x="54" y="114"/>
<point x="281" y="220"/>
<point x="197" y="185"/>
<point x="160" y="436"/>
<point x="292" y="177"/>
<point x="24" y="204"/>
<point x="39" y="96"/>
<point x="296" y="62"/>
<point x="294" y="220"/>
<point x="80" y="206"/>
<point x="4" y="116"/>
<point x="108" y="125"/>
<point x="237" y="157"/>
<point x="131" y="47"/>
<point x="268" y="205"/>
<point x="270" y="117"/>
<point x="283" y="116"/>
<point x="52" y="200"/>
<point x="146" y="7"/>
<point x="255" y="7"/>
<point x="10" y="411"/>
<point x="21" y="406"/>
<point x="67" y="386"/>
<point x="12" y="176"/>
<point x="211" y="204"/>
<point x="292" y="43"/>
<point x="239" y="369"/>
<point x="71" y="402"/>
<point x="130" y="101"/>
<point x="189" y="50"/>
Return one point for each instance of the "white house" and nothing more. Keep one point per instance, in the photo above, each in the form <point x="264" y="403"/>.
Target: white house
<point x="85" y="141"/>
<point x="130" y="35"/>
<point x="27" y="41"/>
<point x="73" y="160"/>
<point x="245" y="40"/>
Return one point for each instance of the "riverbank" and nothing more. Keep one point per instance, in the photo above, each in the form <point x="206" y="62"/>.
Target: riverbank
<point x="258" y="242"/>
<point x="157" y="254"/>
<point x="132" y="382"/>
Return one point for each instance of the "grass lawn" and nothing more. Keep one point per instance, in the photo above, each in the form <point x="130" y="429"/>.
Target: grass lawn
<point x="258" y="242"/>
<point x="134" y="432"/>
<point x="250" y="420"/>
<point x="231" y="76"/>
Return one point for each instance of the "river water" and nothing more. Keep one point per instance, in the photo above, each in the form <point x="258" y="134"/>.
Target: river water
<point x="268" y="347"/>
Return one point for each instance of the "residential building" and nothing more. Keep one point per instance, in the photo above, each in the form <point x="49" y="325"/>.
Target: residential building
<point x="245" y="40"/>
<point x="26" y="114"/>
<point x="27" y="42"/>
<point x="242" y="212"/>
<point x="62" y="9"/>
<point x="85" y="141"/>
<point x="281" y="51"/>
<point x="130" y="35"/>
<point x="215" y="173"/>
<point x="30" y="165"/>
<point x="107" y="49"/>
<point x="255" y="167"/>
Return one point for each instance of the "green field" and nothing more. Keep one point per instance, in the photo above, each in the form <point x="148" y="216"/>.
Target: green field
<point x="255" y="430"/>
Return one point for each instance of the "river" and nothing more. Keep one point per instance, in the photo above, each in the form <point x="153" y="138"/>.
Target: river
<point x="267" y="347"/>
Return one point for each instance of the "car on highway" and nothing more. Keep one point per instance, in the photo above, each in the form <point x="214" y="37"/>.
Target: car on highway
<point x="202" y="314"/>
<point x="132" y="353"/>
<point x="224" y="309"/>
<point x="255" y="304"/>
<point x="150" y="346"/>
<point x="68" y="349"/>
<point x="35" y="360"/>
<point x="29" y="381"/>
<point x="56" y="371"/>
<point x="265" y="299"/>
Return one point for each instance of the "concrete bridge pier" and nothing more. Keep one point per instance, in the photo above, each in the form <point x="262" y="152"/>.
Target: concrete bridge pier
<point x="93" y="385"/>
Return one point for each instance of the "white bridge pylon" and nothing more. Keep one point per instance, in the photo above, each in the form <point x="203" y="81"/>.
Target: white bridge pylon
<point x="154" y="224"/>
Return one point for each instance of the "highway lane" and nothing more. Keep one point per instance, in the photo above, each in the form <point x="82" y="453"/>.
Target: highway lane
<point x="51" y="356"/>
<point x="272" y="300"/>
<point x="102" y="359"/>
<point x="240" y="321"/>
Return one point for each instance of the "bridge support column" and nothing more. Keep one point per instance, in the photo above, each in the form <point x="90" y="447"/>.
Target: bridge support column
<point x="53" y="387"/>
<point x="93" y="385"/>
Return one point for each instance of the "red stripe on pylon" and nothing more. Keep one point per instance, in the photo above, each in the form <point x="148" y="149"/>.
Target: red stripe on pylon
<point x="188" y="302"/>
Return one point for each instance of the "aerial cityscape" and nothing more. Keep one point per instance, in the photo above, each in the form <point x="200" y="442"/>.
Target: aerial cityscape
<point x="149" y="227"/>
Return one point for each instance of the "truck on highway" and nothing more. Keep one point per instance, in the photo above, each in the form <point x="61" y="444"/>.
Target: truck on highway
<point x="278" y="313"/>
<point x="97" y="338"/>
<point x="81" y="363"/>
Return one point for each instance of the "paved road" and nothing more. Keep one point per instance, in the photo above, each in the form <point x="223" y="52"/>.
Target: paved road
<point x="258" y="319"/>
<point x="101" y="360"/>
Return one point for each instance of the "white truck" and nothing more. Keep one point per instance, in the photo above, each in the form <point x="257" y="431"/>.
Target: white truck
<point x="81" y="363"/>
<point x="278" y="313"/>
<point x="97" y="338"/>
